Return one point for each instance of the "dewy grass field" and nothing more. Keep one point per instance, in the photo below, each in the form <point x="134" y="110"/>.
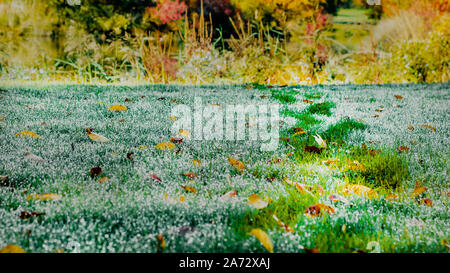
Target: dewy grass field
<point x="378" y="184"/>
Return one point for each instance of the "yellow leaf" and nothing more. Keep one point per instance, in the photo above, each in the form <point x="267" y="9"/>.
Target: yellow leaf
<point x="117" y="107"/>
<point x="360" y="190"/>
<point x="257" y="202"/>
<point x="12" y="249"/>
<point x="182" y="198"/>
<point x="185" y="133"/>
<point x="173" y="118"/>
<point x="165" y="146"/>
<point x="97" y="137"/>
<point x="196" y="163"/>
<point x="237" y="164"/>
<point x="299" y="133"/>
<point x="28" y="134"/>
<point x="45" y="197"/>
<point x="263" y="238"/>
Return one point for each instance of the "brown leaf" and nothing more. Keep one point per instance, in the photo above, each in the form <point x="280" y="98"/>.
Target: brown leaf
<point x="312" y="149"/>
<point x="311" y="250"/>
<point x="190" y="175"/>
<point x="308" y="101"/>
<point x="237" y="164"/>
<point x="403" y="149"/>
<point x="374" y="152"/>
<point x="398" y="97"/>
<point x="27" y="215"/>
<point x="426" y="201"/>
<point x="411" y="128"/>
<point x="95" y="171"/>
<point x="161" y="243"/>
<point x="154" y="176"/>
<point x="229" y="194"/>
<point x="130" y="156"/>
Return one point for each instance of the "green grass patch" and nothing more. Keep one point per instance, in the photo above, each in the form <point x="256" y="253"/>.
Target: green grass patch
<point x="323" y="108"/>
<point x="339" y="131"/>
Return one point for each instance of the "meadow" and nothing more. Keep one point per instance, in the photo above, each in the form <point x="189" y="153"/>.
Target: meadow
<point x="375" y="181"/>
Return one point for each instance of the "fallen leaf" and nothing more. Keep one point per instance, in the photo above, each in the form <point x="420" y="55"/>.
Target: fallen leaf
<point x="165" y="146"/>
<point x="391" y="197"/>
<point x="263" y="238"/>
<point x="418" y="190"/>
<point x="360" y="190"/>
<point x="376" y="116"/>
<point x="379" y="110"/>
<point x="130" y="156"/>
<point x="237" y="164"/>
<point x="229" y="194"/>
<point x="28" y="134"/>
<point x="26" y="215"/>
<point x="2" y="117"/>
<point x="312" y="149"/>
<point x="426" y="201"/>
<point x="308" y="101"/>
<point x="189" y="189"/>
<point x="312" y="250"/>
<point x="256" y="201"/>
<point x="117" y="107"/>
<point x="374" y="152"/>
<point x="330" y="162"/>
<point x="429" y="127"/>
<point x="182" y="198"/>
<point x="154" y="176"/>
<point x="103" y="179"/>
<point x="96" y="137"/>
<point x="161" y="243"/>
<point x="318" y="210"/>
<point x="411" y="128"/>
<point x="403" y="149"/>
<point x="398" y="97"/>
<point x="190" y="175"/>
<point x="12" y="249"/>
<point x="33" y="157"/>
<point x="196" y="163"/>
<point x="95" y="171"/>
<point x="45" y="197"/>
<point x="173" y="118"/>
<point x="286" y="227"/>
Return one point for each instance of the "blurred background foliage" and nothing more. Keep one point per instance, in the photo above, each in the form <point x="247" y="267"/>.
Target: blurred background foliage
<point x="225" y="41"/>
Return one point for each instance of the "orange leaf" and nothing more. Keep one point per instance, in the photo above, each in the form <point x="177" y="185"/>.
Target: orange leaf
<point x="189" y="189"/>
<point x="360" y="190"/>
<point x="402" y="149"/>
<point x="429" y="127"/>
<point x="308" y="101"/>
<point x="161" y="243"/>
<point x="318" y="210"/>
<point x="418" y="190"/>
<point x="237" y="164"/>
<point x="229" y="194"/>
<point x="398" y="97"/>
<point x="196" y="163"/>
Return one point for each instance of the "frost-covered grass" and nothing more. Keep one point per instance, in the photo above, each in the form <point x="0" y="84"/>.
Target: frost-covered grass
<point x="127" y="212"/>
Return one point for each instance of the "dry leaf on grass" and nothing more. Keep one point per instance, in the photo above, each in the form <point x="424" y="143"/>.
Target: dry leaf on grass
<point x="318" y="210"/>
<point x="28" y="134"/>
<point x="237" y="164"/>
<point x="45" y="197"/>
<point x="12" y="249"/>
<point x="117" y="107"/>
<point x="165" y="146"/>
<point x="256" y="201"/>
<point x="286" y="227"/>
<point x="263" y="238"/>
